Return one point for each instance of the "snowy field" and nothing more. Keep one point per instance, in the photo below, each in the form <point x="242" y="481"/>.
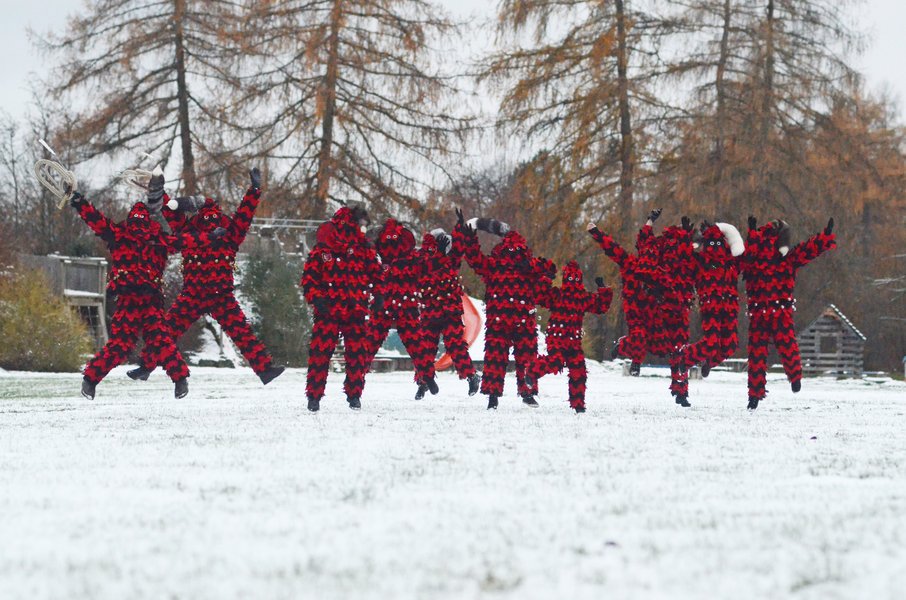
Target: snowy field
<point x="237" y="491"/>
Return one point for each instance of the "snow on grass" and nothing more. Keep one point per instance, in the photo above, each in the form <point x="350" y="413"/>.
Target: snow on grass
<point x="237" y="491"/>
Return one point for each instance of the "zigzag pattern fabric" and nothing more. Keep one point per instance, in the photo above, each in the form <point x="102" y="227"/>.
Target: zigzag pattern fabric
<point x="440" y="288"/>
<point x="138" y="252"/>
<point x="340" y="274"/>
<point x="208" y="286"/>
<point x="399" y="288"/>
<point x="512" y="278"/>
<point x="563" y="336"/>
<point x="770" y="278"/>
<point x="718" y="300"/>
<point x="640" y="288"/>
<point x="676" y="272"/>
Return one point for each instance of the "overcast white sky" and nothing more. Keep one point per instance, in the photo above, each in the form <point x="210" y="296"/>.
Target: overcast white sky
<point x="883" y="61"/>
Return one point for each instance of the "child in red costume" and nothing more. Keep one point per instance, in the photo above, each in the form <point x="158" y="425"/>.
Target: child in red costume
<point x="563" y="337"/>
<point x="441" y="293"/>
<point x="718" y="298"/>
<point x="340" y="276"/>
<point x="138" y="251"/>
<point x="769" y="270"/>
<point x="641" y="287"/>
<point x="513" y="280"/>
<point x="400" y="290"/>
<point x="208" y="277"/>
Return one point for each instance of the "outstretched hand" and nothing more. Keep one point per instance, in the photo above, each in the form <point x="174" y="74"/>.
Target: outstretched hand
<point x="460" y="219"/>
<point x="654" y="215"/>
<point x="753" y="222"/>
<point x="255" y="178"/>
<point x="830" y="227"/>
<point x="591" y="227"/>
<point x="686" y="223"/>
<point x="599" y="281"/>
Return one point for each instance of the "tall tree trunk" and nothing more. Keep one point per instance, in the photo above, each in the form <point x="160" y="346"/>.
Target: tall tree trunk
<point x="182" y="98"/>
<point x="721" y="118"/>
<point x="627" y="155"/>
<point x="767" y="103"/>
<point x="328" y="103"/>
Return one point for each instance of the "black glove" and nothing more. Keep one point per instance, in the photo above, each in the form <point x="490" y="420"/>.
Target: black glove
<point x="255" y="177"/>
<point x="443" y="244"/>
<point x="460" y="219"/>
<point x="155" y="196"/>
<point x="687" y="224"/>
<point x="653" y="215"/>
<point x="599" y="281"/>
<point x="830" y="227"/>
<point x="704" y="225"/>
<point x="753" y="223"/>
<point x="218" y="233"/>
<point x="378" y="303"/>
<point x="75" y="199"/>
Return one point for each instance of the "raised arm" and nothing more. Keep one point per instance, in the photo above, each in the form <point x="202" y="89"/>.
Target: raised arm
<point x="187" y="240"/>
<point x="242" y="219"/>
<point x="807" y="251"/>
<point x="468" y="240"/>
<point x="600" y="301"/>
<point x="610" y="247"/>
<point x="176" y="217"/>
<point x="95" y="219"/>
<point x="547" y="295"/>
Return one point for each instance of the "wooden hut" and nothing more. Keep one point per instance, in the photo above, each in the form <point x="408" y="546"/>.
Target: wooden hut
<point x="831" y="345"/>
<point x="82" y="282"/>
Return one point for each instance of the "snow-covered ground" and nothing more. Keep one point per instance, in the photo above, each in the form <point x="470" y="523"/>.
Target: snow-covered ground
<point x="237" y="491"/>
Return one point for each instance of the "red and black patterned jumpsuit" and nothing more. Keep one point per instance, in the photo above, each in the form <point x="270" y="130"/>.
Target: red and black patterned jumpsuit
<point x="640" y="278"/>
<point x="340" y="275"/>
<point x="399" y="288"/>
<point x="563" y="337"/>
<point x="770" y="278"/>
<point x="441" y="292"/>
<point x="718" y="298"/>
<point x="513" y="280"/>
<point x="208" y="286"/>
<point x="138" y="251"/>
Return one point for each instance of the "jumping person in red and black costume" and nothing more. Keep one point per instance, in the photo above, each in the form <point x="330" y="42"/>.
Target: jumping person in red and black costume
<point x="513" y="280"/>
<point x="208" y="276"/>
<point x="769" y="269"/>
<point x="563" y="337"/>
<point x="138" y="252"/>
<point x="718" y="298"/>
<point x="639" y="275"/>
<point x="340" y="277"/>
<point x="399" y="288"/>
<point x="676" y="277"/>
<point x="441" y="292"/>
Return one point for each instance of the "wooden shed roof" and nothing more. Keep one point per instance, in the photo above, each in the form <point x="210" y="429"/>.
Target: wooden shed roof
<point x="843" y="318"/>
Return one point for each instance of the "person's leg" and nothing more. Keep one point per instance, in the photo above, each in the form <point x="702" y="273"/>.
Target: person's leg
<point x="323" y="342"/>
<point x="232" y="319"/>
<point x="124" y="330"/>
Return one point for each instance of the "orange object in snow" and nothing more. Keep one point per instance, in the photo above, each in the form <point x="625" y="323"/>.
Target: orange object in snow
<point x="472" y="321"/>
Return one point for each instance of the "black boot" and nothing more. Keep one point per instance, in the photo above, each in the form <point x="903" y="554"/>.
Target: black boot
<point x="683" y="400"/>
<point x="529" y="400"/>
<point x="432" y="386"/>
<point x="579" y="409"/>
<point x="634" y="369"/>
<point x="354" y="403"/>
<point x="753" y="403"/>
<point x="139" y="373"/>
<point x="474" y="383"/>
<point x="492" y="402"/>
<point x="615" y="351"/>
<point x="420" y="392"/>
<point x="181" y="389"/>
<point x="314" y="404"/>
<point x="88" y="388"/>
<point x="706" y="369"/>
<point x="796" y="386"/>
<point x="269" y="374"/>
